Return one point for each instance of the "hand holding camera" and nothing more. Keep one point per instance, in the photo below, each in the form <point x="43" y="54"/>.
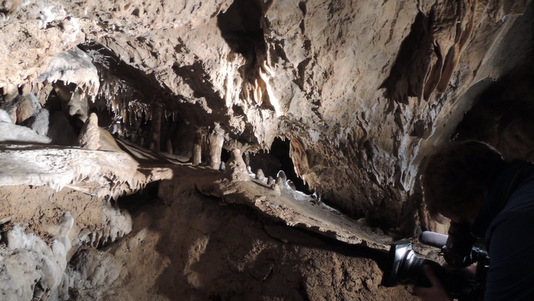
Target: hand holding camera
<point x="436" y="282"/>
<point x="434" y="293"/>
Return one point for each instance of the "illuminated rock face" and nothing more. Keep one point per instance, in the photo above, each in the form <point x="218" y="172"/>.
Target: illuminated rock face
<point x="347" y="97"/>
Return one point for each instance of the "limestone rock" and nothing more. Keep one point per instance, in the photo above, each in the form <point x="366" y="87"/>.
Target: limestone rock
<point x="236" y="167"/>
<point x="10" y="132"/>
<point x="359" y="91"/>
<point x="90" y="134"/>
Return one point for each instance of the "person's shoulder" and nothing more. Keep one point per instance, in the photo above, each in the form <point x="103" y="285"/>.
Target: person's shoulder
<point x="522" y="195"/>
<point x="515" y="215"/>
<point x="511" y="236"/>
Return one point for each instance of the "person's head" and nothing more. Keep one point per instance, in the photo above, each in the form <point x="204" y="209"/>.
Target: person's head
<point x="456" y="178"/>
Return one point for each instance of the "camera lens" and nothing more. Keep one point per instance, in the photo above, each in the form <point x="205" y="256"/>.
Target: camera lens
<point x="403" y="266"/>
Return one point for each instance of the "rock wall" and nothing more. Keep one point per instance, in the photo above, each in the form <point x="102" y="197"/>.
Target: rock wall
<point x="361" y="91"/>
<point x="357" y="86"/>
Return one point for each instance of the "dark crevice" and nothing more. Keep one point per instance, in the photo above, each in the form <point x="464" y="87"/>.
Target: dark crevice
<point x="191" y="75"/>
<point x="241" y="28"/>
<point x="502" y="115"/>
<point x="407" y="75"/>
<point x="196" y="77"/>
<point x="278" y="159"/>
<point x="301" y="73"/>
<point x="137" y="202"/>
<point x="302" y="6"/>
<point x="225" y="155"/>
<point x="302" y="25"/>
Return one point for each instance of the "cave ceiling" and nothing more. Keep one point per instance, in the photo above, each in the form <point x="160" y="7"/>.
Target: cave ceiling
<point x="359" y="91"/>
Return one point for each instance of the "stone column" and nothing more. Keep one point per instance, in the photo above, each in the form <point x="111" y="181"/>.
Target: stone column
<point x="197" y="148"/>
<point x="216" y="141"/>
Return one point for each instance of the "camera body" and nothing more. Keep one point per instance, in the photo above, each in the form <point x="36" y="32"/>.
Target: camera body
<point x="405" y="267"/>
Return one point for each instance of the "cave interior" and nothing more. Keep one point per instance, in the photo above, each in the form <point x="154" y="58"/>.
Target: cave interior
<point x="240" y="150"/>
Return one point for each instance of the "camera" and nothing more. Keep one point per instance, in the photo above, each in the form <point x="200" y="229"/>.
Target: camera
<point x="403" y="266"/>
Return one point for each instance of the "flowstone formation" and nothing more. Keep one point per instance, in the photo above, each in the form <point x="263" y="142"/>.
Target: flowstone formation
<point x="239" y="149"/>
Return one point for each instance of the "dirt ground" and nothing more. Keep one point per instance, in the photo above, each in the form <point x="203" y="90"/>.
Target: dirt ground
<point x="186" y="246"/>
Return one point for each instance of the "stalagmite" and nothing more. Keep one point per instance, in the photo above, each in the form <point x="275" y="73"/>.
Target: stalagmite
<point x="281" y="178"/>
<point x="216" y="140"/>
<point x="260" y="176"/>
<point x="237" y="167"/>
<point x="249" y="170"/>
<point x="77" y="105"/>
<point x="291" y="185"/>
<point x="197" y="148"/>
<point x="90" y="134"/>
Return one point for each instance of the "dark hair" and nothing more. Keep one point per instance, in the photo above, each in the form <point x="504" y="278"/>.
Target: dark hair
<point x="456" y="174"/>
